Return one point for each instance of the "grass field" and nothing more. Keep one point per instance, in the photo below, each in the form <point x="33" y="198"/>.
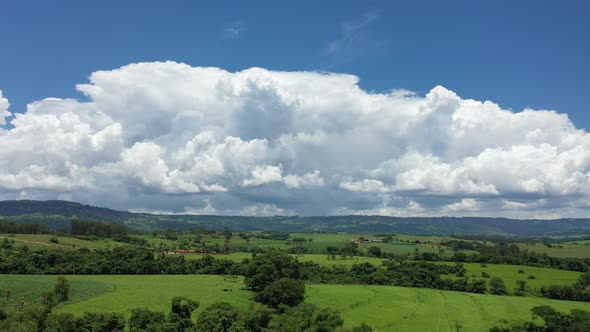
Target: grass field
<point x="321" y="259"/>
<point x="315" y="242"/>
<point x="402" y="244"/>
<point x="41" y="241"/>
<point x="574" y="249"/>
<point x="388" y="308"/>
<point x="510" y="274"/>
<point x="385" y="308"/>
<point x="123" y="293"/>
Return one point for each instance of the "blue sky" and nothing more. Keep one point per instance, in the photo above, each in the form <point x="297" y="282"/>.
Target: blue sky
<point x="516" y="53"/>
<point x="354" y="107"/>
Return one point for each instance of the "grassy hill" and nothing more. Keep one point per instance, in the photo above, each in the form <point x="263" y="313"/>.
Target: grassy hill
<point x="386" y="308"/>
<point x="57" y="215"/>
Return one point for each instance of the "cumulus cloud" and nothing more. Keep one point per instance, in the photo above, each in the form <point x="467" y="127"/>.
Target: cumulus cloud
<point x="4" y="104"/>
<point x="263" y="175"/>
<point x="307" y="181"/>
<point x="166" y="136"/>
<point x="466" y="204"/>
<point x="365" y="186"/>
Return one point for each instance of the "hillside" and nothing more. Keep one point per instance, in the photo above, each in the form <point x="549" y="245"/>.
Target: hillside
<point x="57" y="215"/>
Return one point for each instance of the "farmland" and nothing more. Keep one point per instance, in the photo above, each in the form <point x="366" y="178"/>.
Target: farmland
<point x="447" y="281"/>
<point x="391" y="308"/>
<point x="387" y="308"/>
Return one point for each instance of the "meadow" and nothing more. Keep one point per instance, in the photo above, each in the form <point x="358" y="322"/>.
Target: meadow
<point x="43" y="241"/>
<point x="386" y="308"/>
<point x="576" y="249"/>
<point x="390" y="308"/>
<point x="511" y="273"/>
<point x="121" y="293"/>
<point x="402" y="244"/>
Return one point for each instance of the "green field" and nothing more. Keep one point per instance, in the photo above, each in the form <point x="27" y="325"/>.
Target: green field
<point x="122" y="293"/>
<point x="573" y="249"/>
<point x="41" y="241"/>
<point x="386" y="308"/>
<point x="321" y="259"/>
<point x="314" y="242"/>
<point x="510" y="274"/>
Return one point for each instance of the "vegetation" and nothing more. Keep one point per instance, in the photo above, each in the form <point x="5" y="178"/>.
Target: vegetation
<point x="553" y="321"/>
<point x="57" y="215"/>
<point x="202" y="278"/>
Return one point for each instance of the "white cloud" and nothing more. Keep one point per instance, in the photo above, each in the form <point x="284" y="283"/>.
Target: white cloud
<point x="235" y="29"/>
<point x="264" y="175"/>
<point x="466" y="204"/>
<point x="365" y="186"/>
<point x="4" y="105"/>
<point x="307" y="181"/>
<point x="269" y="142"/>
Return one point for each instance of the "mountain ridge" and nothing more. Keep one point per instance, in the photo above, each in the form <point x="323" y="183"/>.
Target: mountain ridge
<point x="56" y="214"/>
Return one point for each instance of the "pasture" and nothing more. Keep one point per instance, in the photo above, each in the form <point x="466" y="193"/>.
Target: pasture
<point x="573" y="249"/>
<point x="389" y="308"/>
<point x="102" y="293"/>
<point x="42" y="241"/>
<point x="386" y="308"/>
<point x="511" y="273"/>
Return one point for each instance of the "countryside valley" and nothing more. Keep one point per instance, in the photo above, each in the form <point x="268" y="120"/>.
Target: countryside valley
<point x="109" y="274"/>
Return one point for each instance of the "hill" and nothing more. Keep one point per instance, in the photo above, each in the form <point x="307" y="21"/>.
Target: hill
<point x="57" y="215"/>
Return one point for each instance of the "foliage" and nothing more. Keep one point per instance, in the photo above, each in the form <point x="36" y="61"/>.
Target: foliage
<point x="99" y="229"/>
<point x="285" y="291"/>
<point x="183" y="307"/>
<point x="22" y="228"/>
<point x="307" y="318"/>
<point x="580" y="291"/>
<point x="497" y="286"/>
<point x="62" y="289"/>
<point x="263" y="269"/>
<point x="555" y="321"/>
<point x="100" y="322"/>
<point x="218" y="317"/>
<point x="141" y="319"/>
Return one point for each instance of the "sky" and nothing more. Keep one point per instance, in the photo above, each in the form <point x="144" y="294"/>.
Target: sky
<point x="421" y="108"/>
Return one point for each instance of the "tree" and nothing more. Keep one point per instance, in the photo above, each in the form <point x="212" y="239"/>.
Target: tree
<point x="100" y="322"/>
<point x="257" y="318"/>
<point x="63" y="322"/>
<point x="183" y="306"/>
<point x="362" y="328"/>
<point x="307" y="317"/>
<point x="285" y="291"/>
<point x="266" y="268"/>
<point x="326" y="320"/>
<point x="520" y="288"/>
<point x="141" y="319"/>
<point x="227" y="234"/>
<point x="62" y="289"/>
<point x="375" y="251"/>
<point x="218" y="317"/>
<point x="497" y="286"/>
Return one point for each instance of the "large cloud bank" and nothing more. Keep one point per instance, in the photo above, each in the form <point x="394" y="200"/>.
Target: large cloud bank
<point x="171" y="137"/>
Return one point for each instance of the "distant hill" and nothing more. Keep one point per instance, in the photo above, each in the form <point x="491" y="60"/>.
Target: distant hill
<point x="57" y="215"/>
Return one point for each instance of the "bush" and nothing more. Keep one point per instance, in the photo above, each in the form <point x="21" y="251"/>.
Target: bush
<point x="62" y="289"/>
<point x="497" y="286"/>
